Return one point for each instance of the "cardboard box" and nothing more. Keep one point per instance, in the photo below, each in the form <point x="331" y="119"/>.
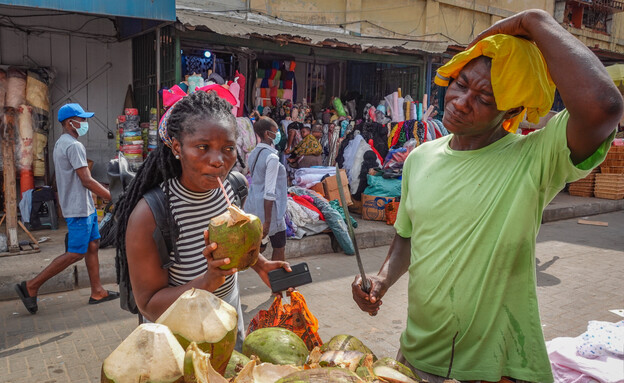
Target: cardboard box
<point x="319" y="188"/>
<point x="373" y="207"/>
<point x="356" y="208"/>
<point x="330" y="184"/>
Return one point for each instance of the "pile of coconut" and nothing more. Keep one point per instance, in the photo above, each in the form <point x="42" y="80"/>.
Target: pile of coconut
<point x="193" y="341"/>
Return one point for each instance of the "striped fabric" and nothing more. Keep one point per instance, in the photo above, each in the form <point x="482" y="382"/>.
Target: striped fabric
<point x="192" y="211"/>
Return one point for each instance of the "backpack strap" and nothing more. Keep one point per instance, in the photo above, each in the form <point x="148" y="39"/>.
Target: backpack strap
<point x="238" y="182"/>
<point x="163" y="233"/>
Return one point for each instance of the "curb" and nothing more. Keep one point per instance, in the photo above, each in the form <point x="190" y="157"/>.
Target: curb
<point x="369" y="234"/>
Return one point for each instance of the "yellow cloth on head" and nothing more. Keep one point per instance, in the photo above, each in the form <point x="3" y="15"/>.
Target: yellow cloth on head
<point x="519" y="73"/>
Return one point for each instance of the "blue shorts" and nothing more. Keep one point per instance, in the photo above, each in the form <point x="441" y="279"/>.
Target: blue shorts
<point x="81" y="231"/>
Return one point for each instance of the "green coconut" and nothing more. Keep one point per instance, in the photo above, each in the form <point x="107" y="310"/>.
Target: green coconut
<point x="346" y="342"/>
<point x="238" y="236"/>
<point x="149" y="354"/>
<point x="276" y="345"/>
<point x="322" y="375"/>
<point x="398" y="366"/>
<point x="236" y="364"/>
<point x="199" y="316"/>
<point x="197" y="367"/>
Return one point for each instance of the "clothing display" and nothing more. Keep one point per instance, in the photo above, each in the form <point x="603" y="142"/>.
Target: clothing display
<point x="470" y="256"/>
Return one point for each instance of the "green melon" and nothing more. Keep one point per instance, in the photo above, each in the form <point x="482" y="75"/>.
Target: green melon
<point x="322" y="375"/>
<point x="149" y="354"/>
<point x="238" y="236"/>
<point x="276" y="345"/>
<point x="199" y="316"/>
<point x="346" y="342"/>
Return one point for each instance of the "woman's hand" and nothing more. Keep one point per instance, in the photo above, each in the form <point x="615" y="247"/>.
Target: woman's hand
<point x="263" y="266"/>
<point x="214" y="276"/>
<point x="369" y="302"/>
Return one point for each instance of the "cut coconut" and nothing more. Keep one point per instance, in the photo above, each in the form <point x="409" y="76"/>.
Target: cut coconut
<point x="199" y="316"/>
<point x="270" y="373"/>
<point x="238" y="236"/>
<point x="149" y="354"/>
<point x="392" y="375"/>
<point x="346" y="342"/>
<point x="236" y="364"/>
<point x="246" y="374"/>
<point x="197" y="367"/>
<point x="322" y="375"/>
<point x="345" y="359"/>
<point x="393" y="364"/>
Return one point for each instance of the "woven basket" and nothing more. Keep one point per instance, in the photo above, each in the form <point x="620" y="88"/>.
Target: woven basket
<point x="609" y="195"/>
<point x="578" y="193"/>
<point x="612" y="169"/>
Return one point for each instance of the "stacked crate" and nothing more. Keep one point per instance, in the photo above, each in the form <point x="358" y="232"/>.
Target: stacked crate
<point x="609" y="183"/>
<point x="585" y="186"/>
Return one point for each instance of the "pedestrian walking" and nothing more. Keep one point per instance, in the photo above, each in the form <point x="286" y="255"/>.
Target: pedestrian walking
<point x="75" y="185"/>
<point x="472" y="202"/>
<point x="268" y="194"/>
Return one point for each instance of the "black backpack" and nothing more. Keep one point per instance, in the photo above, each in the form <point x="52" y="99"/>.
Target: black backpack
<point x="120" y="178"/>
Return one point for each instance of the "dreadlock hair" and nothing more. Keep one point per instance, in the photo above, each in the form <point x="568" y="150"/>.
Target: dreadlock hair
<point x="161" y="164"/>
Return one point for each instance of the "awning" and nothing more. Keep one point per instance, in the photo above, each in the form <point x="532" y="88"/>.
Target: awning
<point x="141" y="9"/>
<point x="248" y="25"/>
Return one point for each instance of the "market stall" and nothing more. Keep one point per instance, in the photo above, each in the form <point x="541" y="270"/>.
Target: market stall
<point x="25" y="123"/>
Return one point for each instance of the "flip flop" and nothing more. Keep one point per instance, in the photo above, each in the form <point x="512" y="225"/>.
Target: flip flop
<point x="111" y="295"/>
<point x="29" y="302"/>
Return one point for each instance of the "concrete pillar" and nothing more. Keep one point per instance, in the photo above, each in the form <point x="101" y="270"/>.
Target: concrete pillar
<point x="432" y="17"/>
<point x="353" y="14"/>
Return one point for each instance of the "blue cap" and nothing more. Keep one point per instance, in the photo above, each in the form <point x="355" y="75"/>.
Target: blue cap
<point x="72" y="110"/>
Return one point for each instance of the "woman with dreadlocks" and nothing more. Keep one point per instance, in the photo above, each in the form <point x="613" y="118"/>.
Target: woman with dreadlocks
<point x="198" y="148"/>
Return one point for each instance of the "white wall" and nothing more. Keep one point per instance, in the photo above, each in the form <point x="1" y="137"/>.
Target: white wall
<point x="76" y="56"/>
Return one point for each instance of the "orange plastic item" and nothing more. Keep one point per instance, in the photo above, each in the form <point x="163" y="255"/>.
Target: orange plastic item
<point x="27" y="180"/>
<point x="391" y="210"/>
<point x="295" y="317"/>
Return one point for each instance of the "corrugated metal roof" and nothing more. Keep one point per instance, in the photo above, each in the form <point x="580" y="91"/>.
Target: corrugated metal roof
<point x="248" y="24"/>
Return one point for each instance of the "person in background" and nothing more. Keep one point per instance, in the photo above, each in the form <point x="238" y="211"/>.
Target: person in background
<point x="309" y="151"/>
<point x="75" y="186"/>
<point x="268" y="192"/>
<point x="472" y="202"/>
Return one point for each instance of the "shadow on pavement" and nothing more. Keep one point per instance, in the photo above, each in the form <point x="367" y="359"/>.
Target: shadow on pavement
<point x="14" y="351"/>
<point x="545" y="279"/>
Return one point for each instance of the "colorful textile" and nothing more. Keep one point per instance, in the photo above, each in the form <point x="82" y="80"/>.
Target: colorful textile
<point x="309" y="146"/>
<point x="520" y="76"/>
<point x="480" y="270"/>
<point x="305" y="202"/>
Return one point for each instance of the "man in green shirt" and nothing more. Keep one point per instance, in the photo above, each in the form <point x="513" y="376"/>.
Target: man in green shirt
<point x="472" y="202"/>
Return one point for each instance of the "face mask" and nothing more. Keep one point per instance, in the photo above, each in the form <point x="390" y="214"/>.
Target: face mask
<point x="83" y="129"/>
<point x="278" y="137"/>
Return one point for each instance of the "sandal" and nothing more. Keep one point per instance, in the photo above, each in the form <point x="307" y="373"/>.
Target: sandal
<point x="111" y="295"/>
<point x="29" y="302"/>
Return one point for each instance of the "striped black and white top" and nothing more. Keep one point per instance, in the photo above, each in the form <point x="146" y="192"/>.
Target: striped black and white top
<point x="192" y="211"/>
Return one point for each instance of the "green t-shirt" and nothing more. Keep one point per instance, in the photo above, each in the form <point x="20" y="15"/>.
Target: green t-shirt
<point x="473" y="217"/>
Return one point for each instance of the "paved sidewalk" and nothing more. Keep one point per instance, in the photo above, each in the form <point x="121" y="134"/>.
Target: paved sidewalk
<point x="579" y="279"/>
<point x="14" y="269"/>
